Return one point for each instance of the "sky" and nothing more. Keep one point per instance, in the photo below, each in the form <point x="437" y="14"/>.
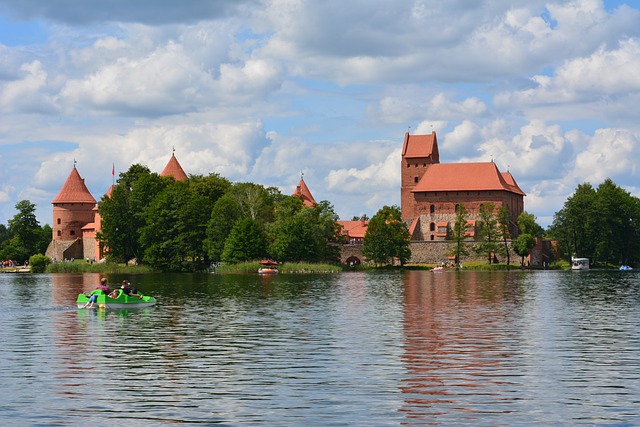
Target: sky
<point x="266" y="91"/>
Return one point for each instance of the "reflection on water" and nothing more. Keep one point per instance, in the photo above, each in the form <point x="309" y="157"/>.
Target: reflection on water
<point x="413" y="348"/>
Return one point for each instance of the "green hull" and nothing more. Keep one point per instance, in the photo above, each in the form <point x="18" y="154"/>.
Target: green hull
<point x="123" y="301"/>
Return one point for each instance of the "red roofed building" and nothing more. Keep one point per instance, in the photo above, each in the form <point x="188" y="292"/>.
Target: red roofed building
<point x="354" y="230"/>
<point x="73" y="208"/>
<point x="431" y="191"/>
<point x="174" y="169"/>
<point x="303" y="192"/>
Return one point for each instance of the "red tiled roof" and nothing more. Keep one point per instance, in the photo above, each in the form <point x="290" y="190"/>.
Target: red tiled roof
<point x="413" y="226"/>
<point x="354" y="229"/>
<point x="510" y="180"/>
<point x="303" y="192"/>
<point x="466" y="177"/>
<point x="74" y="190"/>
<point x="174" y="169"/>
<point x="417" y="146"/>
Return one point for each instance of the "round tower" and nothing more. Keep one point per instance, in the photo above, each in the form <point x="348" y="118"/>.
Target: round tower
<point x="73" y="208"/>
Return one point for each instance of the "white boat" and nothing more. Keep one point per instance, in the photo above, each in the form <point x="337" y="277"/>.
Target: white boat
<point x="579" y="263"/>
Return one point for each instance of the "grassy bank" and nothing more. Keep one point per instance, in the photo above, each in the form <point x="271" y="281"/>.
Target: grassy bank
<point x="106" y="267"/>
<point x="289" y="267"/>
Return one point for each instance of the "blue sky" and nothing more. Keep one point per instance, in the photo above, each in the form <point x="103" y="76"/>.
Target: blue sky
<point x="261" y="91"/>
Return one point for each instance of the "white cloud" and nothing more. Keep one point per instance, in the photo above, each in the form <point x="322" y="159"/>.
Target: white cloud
<point x="381" y="176"/>
<point x="28" y="93"/>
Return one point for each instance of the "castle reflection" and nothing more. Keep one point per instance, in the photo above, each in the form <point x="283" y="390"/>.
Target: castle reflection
<point x="456" y="340"/>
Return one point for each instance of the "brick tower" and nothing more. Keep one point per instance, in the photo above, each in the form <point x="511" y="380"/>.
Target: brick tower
<point x="73" y="208"/>
<point x="418" y="152"/>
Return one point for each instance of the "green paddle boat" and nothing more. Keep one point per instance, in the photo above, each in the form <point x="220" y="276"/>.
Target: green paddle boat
<point x="121" y="301"/>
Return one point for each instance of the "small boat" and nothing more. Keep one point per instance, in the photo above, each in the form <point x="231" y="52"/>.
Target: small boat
<point x="122" y="301"/>
<point x="439" y="268"/>
<point x="625" y="268"/>
<point x="579" y="263"/>
<point x="268" y="267"/>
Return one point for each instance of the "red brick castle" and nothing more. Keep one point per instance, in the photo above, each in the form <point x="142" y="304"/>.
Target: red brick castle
<point x="431" y="191"/>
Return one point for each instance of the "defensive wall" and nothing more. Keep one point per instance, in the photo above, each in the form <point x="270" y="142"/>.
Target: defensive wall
<point x="426" y="252"/>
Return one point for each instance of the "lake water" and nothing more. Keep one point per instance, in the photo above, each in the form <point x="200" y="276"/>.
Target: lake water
<point x="349" y="349"/>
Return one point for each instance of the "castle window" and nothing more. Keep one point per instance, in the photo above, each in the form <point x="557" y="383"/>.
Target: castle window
<point x="73" y="232"/>
<point x="432" y="209"/>
<point x="59" y="233"/>
<point x="59" y="222"/>
<point x="432" y="237"/>
<point x="415" y="179"/>
<point x="432" y="226"/>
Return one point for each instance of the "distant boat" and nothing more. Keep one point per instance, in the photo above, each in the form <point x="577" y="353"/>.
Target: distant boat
<point x="625" y="268"/>
<point x="268" y="267"/>
<point x="579" y="263"/>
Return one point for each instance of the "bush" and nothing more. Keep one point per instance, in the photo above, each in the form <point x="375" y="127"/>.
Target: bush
<point x="39" y="263"/>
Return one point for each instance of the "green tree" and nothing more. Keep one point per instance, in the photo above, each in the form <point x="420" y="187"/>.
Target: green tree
<point x="290" y="235"/>
<point x="522" y="246"/>
<point x="255" y="201"/>
<point x="387" y="237"/>
<point x="39" y="263"/>
<point x="175" y="227"/>
<point x="25" y="231"/>
<point x="302" y="233"/>
<point x="616" y="235"/>
<point x="602" y="224"/>
<point x="246" y="242"/>
<point x="5" y="234"/>
<point x="488" y="233"/>
<point x="504" y="227"/>
<point x="212" y="186"/>
<point x="527" y="224"/>
<point x="123" y="212"/>
<point x="459" y="234"/>
<point x="529" y="230"/>
<point x="575" y="225"/>
<point x="225" y="213"/>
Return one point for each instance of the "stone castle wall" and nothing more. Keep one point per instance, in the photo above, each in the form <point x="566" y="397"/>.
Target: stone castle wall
<point x="425" y="252"/>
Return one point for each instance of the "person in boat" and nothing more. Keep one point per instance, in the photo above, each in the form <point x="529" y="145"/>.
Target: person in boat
<point x="103" y="288"/>
<point x="128" y="290"/>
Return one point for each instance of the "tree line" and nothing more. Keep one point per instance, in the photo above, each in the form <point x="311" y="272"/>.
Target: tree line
<point x="23" y="236"/>
<point x="185" y="225"/>
<point x="602" y="224"/>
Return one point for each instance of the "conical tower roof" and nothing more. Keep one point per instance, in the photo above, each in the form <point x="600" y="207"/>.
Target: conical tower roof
<point x="74" y="190"/>
<point x="174" y="169"/>
<point x="303" y="192"/>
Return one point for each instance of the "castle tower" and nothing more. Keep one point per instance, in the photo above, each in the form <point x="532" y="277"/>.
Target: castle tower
<point x="418" y="152"/>
<point x="174" y="169"/>
<point x="304" y="193"/>
<point x="73" y="208"/>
